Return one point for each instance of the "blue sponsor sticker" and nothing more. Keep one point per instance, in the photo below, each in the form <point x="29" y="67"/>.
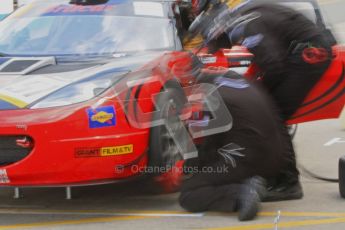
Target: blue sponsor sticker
<point x="101" y="117"/>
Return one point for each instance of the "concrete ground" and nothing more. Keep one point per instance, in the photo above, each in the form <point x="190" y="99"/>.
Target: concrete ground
<point x="124" y="206"/>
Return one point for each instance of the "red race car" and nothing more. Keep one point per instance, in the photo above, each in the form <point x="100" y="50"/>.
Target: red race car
<point x="90" y="93"/>
<point x="74" y="78"/>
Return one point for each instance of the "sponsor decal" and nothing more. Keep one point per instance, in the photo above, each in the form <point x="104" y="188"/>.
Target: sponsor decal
<point x="78" y="9"/>
<point x="4" y="177"/>
<point x="104" y="151"/>
<point x="116" y="151"/>
<point x="7" y="102"/>
<point x="71" y="9"/>
<point x="4" y="105"/>
<point x="208" y="60"/>
<point x="245" y="63"/>
<point x="101" y="117"/>
<point x="87" y="152"/>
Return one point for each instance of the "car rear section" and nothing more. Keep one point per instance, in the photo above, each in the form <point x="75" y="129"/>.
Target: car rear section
<point x="327" y="98"/>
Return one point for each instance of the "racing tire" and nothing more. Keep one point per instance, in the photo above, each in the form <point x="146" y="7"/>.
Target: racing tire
<point x="163" y="151"/>
<point x="342" y="176"/>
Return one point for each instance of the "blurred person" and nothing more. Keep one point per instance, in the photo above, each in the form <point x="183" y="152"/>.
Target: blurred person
<point x="290" y="52"/>
<point x="231" y="165"/>
<point x="201" y="15"/>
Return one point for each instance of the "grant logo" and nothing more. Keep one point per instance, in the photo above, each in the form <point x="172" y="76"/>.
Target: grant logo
<point x="87" y="152"/>
<point x="104" y="151"/>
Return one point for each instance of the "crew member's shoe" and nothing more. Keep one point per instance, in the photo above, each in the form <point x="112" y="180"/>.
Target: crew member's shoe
<point x="249" y="198"/>
<point x="284" y="191"/>
<point x="259" y="184"/>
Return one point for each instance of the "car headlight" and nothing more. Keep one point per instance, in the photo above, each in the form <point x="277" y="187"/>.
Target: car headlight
<point x="79" y="91"/>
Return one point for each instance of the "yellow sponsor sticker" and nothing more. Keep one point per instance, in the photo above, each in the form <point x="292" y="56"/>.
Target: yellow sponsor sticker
<point x="102" y="117"/>
<point x="116" y="151"/>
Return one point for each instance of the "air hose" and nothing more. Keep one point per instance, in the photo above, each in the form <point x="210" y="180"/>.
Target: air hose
<point x="316" y="176"/>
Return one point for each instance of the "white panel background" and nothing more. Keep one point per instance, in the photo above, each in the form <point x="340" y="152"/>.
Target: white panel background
<point x="6" y="6"/>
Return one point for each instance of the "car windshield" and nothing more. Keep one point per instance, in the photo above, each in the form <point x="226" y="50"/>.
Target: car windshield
<point x="59" y="28"/>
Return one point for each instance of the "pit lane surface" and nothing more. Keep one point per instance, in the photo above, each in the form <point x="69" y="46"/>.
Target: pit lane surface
<point x="126" y="206"/>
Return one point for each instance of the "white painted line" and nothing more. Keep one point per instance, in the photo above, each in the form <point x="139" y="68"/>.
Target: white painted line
<point x="336" y="140"/>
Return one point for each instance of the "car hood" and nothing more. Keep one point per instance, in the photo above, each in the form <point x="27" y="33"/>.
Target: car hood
<point x="23" y="83"/>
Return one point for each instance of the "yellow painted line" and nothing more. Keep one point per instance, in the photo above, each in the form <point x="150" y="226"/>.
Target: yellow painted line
<point x="289" y="214"/>
<point x="304" y="214"/>
<point x="284" y="224"/>
<point x="13" y="101"/>
<point x="72" y="222"/>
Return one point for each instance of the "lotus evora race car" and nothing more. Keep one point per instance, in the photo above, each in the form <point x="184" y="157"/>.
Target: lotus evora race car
<point x="73" y="81"/>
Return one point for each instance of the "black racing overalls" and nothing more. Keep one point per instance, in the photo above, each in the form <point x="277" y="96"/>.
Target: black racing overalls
<point x="281" y="40"/>
<point x="256" y="145"/>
